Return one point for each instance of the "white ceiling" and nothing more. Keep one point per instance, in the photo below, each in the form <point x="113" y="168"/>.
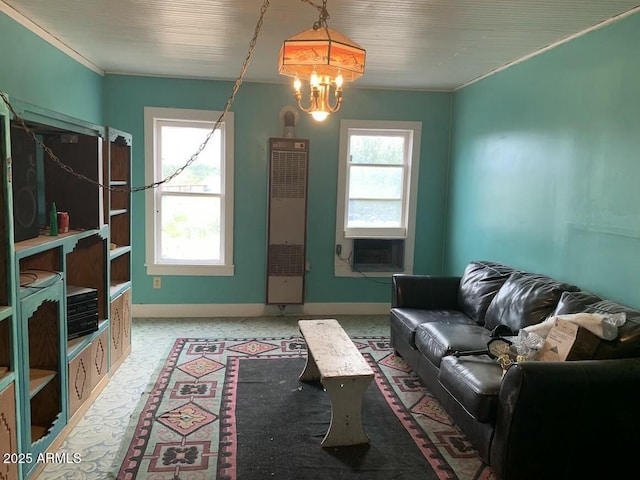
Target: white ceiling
<point x="415" y="44"/>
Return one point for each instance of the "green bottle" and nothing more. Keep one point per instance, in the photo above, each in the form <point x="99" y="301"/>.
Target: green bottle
<point x="53" y="220"/>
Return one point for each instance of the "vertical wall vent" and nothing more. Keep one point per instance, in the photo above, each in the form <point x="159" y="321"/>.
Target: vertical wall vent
<point x="287" y="222"/>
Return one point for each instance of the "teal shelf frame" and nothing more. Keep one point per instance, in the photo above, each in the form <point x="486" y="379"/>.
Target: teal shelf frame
<point x="67" y="241"/>
<point x="5" y="312"/>
<point x="8" y="312"/>
<point x="7" y="379"/>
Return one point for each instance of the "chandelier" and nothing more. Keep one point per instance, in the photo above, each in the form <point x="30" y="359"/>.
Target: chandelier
<point x="326" y="59"/>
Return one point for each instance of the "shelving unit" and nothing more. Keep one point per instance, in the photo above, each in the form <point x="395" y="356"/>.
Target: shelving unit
<point x="118" y="212"/>
<point x="47" y="381"/>
<point x="9" y="412"/>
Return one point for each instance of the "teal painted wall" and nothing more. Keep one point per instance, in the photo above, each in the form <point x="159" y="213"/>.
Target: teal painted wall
<point x="33" y="71"/>
<point x="256" y="112"/>
<point x="545" y="165"/>
<point x="543" y="171"/>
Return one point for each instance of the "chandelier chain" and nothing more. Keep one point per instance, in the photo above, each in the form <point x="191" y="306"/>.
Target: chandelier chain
<point x="324" y="14"/>
<point x="194" y="156"/>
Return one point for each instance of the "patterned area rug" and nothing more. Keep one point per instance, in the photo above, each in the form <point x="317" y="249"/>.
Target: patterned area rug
<point x="234" y="409"/>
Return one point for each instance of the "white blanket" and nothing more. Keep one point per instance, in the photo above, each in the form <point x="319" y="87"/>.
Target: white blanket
<point x="604" y="326"/>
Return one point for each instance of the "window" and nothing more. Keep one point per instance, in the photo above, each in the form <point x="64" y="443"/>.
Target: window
<point x="377" y="187"/>
<point x="189" y="220"/>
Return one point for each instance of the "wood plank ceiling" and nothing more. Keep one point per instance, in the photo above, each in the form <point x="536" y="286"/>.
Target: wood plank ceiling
<point x="413" y="44"/>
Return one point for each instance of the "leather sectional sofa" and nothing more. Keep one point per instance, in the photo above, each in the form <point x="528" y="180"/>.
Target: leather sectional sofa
<point x="541" y="420"/>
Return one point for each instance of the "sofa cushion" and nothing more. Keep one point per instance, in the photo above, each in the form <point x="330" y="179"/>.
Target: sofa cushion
<point x="426" y="292"/>
<point x="479" y="284"/>
<point x="474" y="382"/>
<point x="574" y="302"/>
<point x="436" y="340"/>
<point x="525" y="299"/>
<point x="405" y="320"/>
<point x="627" y="344"/>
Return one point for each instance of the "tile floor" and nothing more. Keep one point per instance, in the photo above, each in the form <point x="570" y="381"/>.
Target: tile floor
<point x="97" y="436"/>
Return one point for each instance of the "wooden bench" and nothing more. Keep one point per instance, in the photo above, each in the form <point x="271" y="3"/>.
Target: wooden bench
<point x="333" y="359"/>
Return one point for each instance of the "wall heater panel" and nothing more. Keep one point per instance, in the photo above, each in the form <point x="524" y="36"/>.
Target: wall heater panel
<point x="287" y="224"/>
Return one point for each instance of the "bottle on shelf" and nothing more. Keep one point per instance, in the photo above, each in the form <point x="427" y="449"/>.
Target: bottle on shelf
<point x="53" y="220"/>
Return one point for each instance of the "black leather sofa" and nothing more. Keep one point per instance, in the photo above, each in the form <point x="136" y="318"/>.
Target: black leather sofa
<point x="541" y="420"/>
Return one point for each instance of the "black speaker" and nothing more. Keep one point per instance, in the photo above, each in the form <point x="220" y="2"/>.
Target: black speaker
<point x="25" y="185"/>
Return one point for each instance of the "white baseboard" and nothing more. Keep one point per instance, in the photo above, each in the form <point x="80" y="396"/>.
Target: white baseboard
<point x="255" y="310"/>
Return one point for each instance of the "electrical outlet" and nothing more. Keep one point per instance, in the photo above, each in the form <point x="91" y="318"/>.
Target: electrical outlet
<point x="157" y="282"/>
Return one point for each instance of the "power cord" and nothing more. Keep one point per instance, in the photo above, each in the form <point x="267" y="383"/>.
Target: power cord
<point x="355" y="269"/>
<point x="34" y="277"/>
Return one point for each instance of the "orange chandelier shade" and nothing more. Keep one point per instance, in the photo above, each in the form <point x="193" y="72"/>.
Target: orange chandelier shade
<point x="324" y="51"/>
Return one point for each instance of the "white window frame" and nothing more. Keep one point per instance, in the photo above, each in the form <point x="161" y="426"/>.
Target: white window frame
<point x="152" y="117"/>
<point x="344" y="236"/>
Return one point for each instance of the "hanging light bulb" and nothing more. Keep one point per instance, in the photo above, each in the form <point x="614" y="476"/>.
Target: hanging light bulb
<point x="314" y="81"/>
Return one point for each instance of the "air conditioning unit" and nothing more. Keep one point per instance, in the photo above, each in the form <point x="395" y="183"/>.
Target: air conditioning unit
<point x="287" y="222"/>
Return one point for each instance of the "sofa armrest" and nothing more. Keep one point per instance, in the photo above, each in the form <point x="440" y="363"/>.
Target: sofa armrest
<point x="567" y="420"/>
<point x="424" y="292"/>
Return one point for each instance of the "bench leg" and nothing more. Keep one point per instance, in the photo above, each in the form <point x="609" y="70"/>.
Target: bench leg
<point x="310" y="372"/>
<point x="346" y="396"/>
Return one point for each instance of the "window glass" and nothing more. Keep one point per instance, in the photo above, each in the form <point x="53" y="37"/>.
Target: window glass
<point x="375" y="182"/>
<point x="376" y="149"/>
<point x="177" y="145"/>
<point x="190" y="228"/>
<point x="376" y="176"/>
<point x="375" y="213"/>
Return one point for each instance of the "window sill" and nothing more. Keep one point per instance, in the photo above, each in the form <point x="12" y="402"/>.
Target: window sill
<point x="343" y="270"/>
<point x="192" y="270"/>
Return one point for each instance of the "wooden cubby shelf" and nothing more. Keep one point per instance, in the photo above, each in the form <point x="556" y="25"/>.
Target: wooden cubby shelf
<point x="38" y="379"/>
<point x="42" y="241"/>
<point x="118" y="288"/>
<point x="4" y="375"/>
<point x="5" y="312"/>
<point x="34" y="280"/>
<point x="117" y="251"/>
